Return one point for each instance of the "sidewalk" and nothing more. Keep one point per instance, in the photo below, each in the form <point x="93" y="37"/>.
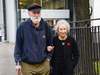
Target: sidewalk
<point x="7" y="64"/>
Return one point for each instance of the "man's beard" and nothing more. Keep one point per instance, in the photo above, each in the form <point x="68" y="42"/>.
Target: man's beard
<point x="35" y="20"/>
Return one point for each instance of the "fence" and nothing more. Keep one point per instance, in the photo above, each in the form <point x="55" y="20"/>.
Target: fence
<point x="89" y="47"/>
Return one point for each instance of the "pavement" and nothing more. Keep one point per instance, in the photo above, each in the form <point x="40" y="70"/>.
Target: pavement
<point x="7" y="63"/>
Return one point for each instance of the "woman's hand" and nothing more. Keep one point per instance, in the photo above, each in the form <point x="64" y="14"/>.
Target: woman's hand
<point x="49" y="48"/>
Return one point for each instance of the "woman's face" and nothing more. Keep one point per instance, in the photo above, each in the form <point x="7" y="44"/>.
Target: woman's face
<point x="62" y="30"/>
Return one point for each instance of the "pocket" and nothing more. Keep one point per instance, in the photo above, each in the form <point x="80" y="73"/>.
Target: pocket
<point x="48" y="62"/>
<point x="72" y="67"/>
<point x="47" y="65"/>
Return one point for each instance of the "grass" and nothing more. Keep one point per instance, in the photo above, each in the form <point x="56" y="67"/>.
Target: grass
<point x="98" y="67"/>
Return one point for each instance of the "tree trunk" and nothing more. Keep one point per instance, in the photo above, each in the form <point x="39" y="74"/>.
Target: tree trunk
<point x="82" y="13"/>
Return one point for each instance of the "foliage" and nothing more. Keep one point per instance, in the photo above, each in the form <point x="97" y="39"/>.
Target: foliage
<point x="98" y="67"/>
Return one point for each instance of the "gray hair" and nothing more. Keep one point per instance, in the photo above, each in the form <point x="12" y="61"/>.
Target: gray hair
<point x="62" y="22"/>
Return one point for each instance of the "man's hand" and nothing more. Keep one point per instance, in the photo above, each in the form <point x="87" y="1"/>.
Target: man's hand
<point x="48" y="59"/>
<point x="18" y="69"/>
<point x="49" y="48"/>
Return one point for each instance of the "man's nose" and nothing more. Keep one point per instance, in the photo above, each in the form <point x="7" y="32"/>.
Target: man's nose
<point x="37" y="14"/>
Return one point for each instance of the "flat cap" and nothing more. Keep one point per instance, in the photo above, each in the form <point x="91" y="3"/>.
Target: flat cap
<point x="34" y="7"/>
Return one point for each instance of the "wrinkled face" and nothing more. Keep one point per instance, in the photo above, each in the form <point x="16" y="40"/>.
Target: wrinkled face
<point x="35" y="16"/>
<point x="62" y="30"/>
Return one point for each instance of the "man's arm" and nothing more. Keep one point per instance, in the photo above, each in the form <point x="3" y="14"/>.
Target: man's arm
<point x="49" y="41"/>
<point x="17" y="50"/>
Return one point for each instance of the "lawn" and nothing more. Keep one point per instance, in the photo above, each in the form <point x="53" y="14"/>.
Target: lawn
<point x="98" y="67"/>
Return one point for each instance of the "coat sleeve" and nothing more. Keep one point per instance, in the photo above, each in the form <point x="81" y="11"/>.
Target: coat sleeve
<point x="18" y="45"/>
<point x="75" y="53"/>
<point x="49" y="40"/>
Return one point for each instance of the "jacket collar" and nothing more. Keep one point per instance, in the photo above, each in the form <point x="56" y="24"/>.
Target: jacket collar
<point x="41" y="26"/>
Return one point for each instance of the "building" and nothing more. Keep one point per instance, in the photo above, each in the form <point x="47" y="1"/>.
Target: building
<point x="1" y="15"/>
<point x="95" y="12"/>
<point x="15" y="11"/>
<point x="12" y="12"/>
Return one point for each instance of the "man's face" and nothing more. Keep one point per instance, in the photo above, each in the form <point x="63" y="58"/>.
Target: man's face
<point x="35" y="16"/>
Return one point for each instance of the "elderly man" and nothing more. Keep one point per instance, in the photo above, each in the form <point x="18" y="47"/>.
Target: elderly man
<point x="31" y="55"/>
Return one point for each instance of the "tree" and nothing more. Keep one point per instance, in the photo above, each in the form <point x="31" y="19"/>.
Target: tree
<point x="82" y="13"/>
<point x="81" y="10"/>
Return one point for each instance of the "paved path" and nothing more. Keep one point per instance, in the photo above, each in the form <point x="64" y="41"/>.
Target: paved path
<point x="7" y="64"/>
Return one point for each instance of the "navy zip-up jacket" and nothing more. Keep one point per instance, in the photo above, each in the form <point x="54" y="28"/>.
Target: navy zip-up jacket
<point x="30" y="45"/>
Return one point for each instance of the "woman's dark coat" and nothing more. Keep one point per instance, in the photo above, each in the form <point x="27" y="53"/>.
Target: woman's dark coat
<point x="71" y="55"/>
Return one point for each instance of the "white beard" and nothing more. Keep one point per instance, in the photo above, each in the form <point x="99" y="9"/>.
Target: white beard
<point x="34" y="20"/>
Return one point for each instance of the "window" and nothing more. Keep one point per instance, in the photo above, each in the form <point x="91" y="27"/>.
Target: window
<point x="23" y="4"/>
<point x="46" y="4"/>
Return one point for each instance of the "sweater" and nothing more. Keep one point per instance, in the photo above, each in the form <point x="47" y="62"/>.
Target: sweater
<point x="71" y="55"/>
<point x="30" y="45"/>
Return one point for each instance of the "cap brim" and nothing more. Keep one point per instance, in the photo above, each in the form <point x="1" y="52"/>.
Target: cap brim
<point x="35" y="10"/>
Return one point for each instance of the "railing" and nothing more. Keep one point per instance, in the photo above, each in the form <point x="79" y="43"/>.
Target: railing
<point x="88" y="41"/>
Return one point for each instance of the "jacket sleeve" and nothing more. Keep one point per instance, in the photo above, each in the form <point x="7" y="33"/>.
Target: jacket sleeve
<point x="75" y="53"/>
<point x="18" y="45"/>
<point x="49" y="40"/>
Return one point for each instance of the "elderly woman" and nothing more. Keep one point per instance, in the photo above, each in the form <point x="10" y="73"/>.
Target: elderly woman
<point x="66" y="53"/>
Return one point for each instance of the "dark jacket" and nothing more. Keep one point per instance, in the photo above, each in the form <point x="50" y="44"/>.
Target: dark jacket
<point x="30" y="44"/>
<point x="70" y="49"/>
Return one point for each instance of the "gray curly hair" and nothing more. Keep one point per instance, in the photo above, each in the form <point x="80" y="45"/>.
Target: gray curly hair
<point x="62" y="22"/>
